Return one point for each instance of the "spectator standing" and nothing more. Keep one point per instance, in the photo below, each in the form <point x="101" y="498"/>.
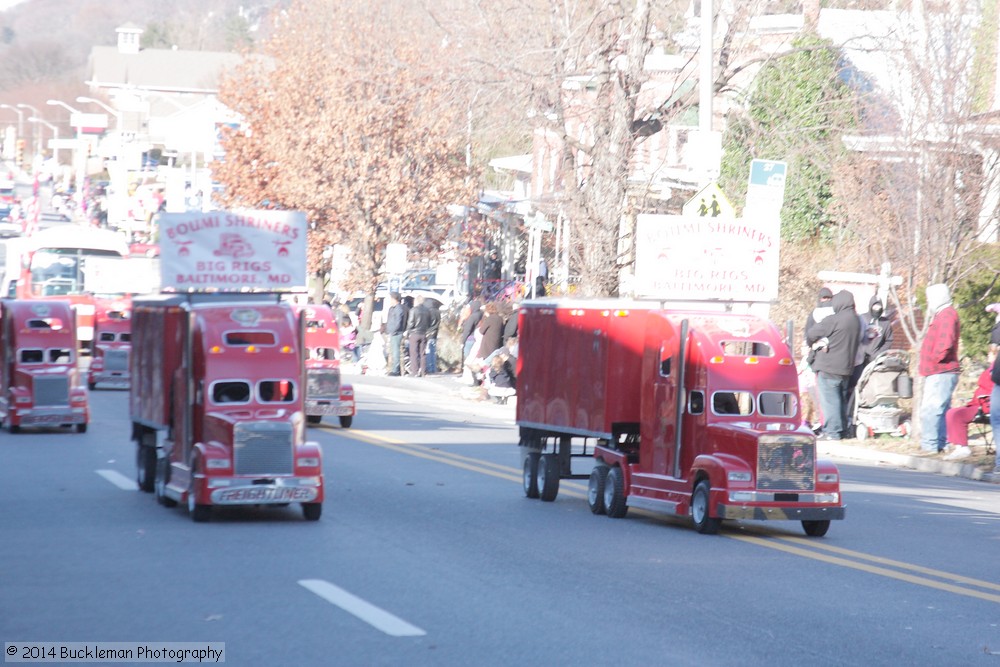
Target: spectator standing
<point x="434" y="311"/>
<point x="395" y="325"/>
<point x="510" y="325"/>
<point x="995" y="414"/>
<point x="995" y="332"/>
<point x="416" y="334"/>
<point x="491" y="326"/>
<point x="819" y="313"/>
<point x="939" y="367"/>
<point x="469" y="324"/>
<point x="876" y="338"/>
<point x="835" y="362"/>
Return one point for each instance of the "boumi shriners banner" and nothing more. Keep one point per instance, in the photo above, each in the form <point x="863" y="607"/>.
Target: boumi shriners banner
<point x="233" y="250"/>
<point x="707" y="259"/>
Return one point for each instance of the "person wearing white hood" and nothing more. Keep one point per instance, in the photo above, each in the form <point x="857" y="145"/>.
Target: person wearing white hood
<point x="938" y="366"/>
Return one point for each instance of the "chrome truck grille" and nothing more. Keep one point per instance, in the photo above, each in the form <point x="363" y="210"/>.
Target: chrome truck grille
<point x="116" y="360"/>
<point x="51" y="391"/>
<point x="263" y="448"/>
<point x="786" y="464"/>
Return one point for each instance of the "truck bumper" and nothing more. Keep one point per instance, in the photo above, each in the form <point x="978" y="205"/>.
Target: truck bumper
<point x="111" y="378"/>
<point x="324" y="407"/>
<point x="780" y="513"/>
<point x="47" y="417"/>
<point x="280" y="491"/>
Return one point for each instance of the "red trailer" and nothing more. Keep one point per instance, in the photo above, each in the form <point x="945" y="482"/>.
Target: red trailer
<point x="40" y="383"/>
<point x="326" y="392"/>
<point x="685" y="413"/>
<point x="216" y="403"/>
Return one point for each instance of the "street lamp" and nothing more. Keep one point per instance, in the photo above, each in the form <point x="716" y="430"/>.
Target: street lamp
<point x="81" y="158"/>
<point x="20" y="118"/>
<point x="34" y="135"/>
<point x="55" y="134"/>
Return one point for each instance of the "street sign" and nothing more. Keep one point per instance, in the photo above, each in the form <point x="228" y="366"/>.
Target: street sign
<point x="710" y="202"/>
<point x="766" y="190"/>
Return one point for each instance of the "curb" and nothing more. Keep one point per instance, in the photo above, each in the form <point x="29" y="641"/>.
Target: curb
<point x="919" y="463"/>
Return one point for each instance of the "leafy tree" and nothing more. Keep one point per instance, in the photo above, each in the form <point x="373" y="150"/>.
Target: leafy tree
<point x="796" y="112"/>
<point x="359" y="134"/>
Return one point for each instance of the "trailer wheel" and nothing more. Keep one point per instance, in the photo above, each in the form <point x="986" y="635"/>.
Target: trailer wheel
<point x="595" y="488"/>
<point x="312" y="511"/>
<point x="530" y="476"/>
<point x="816" y="528"/>
<point x="345" y="422"/>
<point x="548" y="477"/>
<point x="145" y="467"/>
<point x="314" y="419"/>
<point x="614" y="494"/>
<point x="160" y="484"/>
<point x="199" y="513"/>
<point x="703" y="523"/>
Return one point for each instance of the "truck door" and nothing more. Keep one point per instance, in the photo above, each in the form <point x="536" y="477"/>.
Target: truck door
<point x="659" y="410"/>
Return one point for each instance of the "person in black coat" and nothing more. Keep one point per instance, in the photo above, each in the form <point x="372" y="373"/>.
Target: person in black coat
<point x="834" y="363"/>
<point x="491" y="327"/>
<point x="434" y="310"/>
<point x="469" y="325"/>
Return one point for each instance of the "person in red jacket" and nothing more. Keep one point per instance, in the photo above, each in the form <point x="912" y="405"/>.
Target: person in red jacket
<point x="938" y="366"/>
<point x="957" y="420"/>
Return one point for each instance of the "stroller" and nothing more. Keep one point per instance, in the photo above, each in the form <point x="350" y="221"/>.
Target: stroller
<point x="883" y="382"/>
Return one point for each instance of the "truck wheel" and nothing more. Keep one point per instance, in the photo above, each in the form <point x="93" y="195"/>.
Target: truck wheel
<point x="548" y="477"/>
<point x="81" y="428"/>
<point x="199" y="513"/>
<point x="312" y="511"/>
<point x="703" y="523"/>
<point x="530" y="476"/>
<point x="595" y="488"/>
<point x="145" y="468"/>
<point x="14" y="428"/>
<point x="160" y="483"/>
<point x="345" y="422"/>
<point x="91" y="386"/>
<point x="816" y="528"/>
<point x="614" y="494"/>
<point x="314" y="419"/>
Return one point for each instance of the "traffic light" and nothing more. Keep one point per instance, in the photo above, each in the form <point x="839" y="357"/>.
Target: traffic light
<point x="19" y="152"/>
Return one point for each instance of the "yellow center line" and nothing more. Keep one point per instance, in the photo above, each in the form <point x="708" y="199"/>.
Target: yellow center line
<point x="806" y="548"/>
<point x="885" y="572"/>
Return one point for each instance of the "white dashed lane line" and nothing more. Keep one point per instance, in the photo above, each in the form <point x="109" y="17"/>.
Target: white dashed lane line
<point x="367" y="612"/>
<point x="118" y="479"/>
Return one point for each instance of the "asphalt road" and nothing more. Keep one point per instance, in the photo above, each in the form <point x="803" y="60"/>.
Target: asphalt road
<point x="429" y="554"/>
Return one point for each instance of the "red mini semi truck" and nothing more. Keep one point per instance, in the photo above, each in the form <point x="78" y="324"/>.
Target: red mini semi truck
<point x="326" y="393"/>
<point x="216" y="403"/>
<point x="40" y="382"/>
<point x="109" y="363"/>
<point x="685" y="413"/>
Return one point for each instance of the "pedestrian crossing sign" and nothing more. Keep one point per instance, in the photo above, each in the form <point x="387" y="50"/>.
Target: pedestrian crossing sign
<point x="710" y="202"/>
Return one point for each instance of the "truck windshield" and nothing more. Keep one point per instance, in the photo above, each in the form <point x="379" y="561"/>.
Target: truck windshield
<point x="732" y="403"/>
<point x="777" y="404"/>
<point x="276" y="391"/>
<point x="231" y="391"/>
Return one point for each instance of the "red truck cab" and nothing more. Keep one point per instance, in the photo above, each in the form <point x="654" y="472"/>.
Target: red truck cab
<point x="685" y="412"/>
<point x="326" y="392"/>
<point x="109" y="363"/>
<point x="40" y="382"/>
<point x="216" y="403"/>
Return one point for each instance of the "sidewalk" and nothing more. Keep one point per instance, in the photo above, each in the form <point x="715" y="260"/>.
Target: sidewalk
<point x="876" y="451"/>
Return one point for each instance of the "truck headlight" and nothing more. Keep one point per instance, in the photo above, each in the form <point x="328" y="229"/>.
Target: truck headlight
<point x="828" y="477"/>
<point x="739" y="476"/>
<point x="216" y="464"/>
<point x="827" y="498"/>
<point x="309" y="462"/>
